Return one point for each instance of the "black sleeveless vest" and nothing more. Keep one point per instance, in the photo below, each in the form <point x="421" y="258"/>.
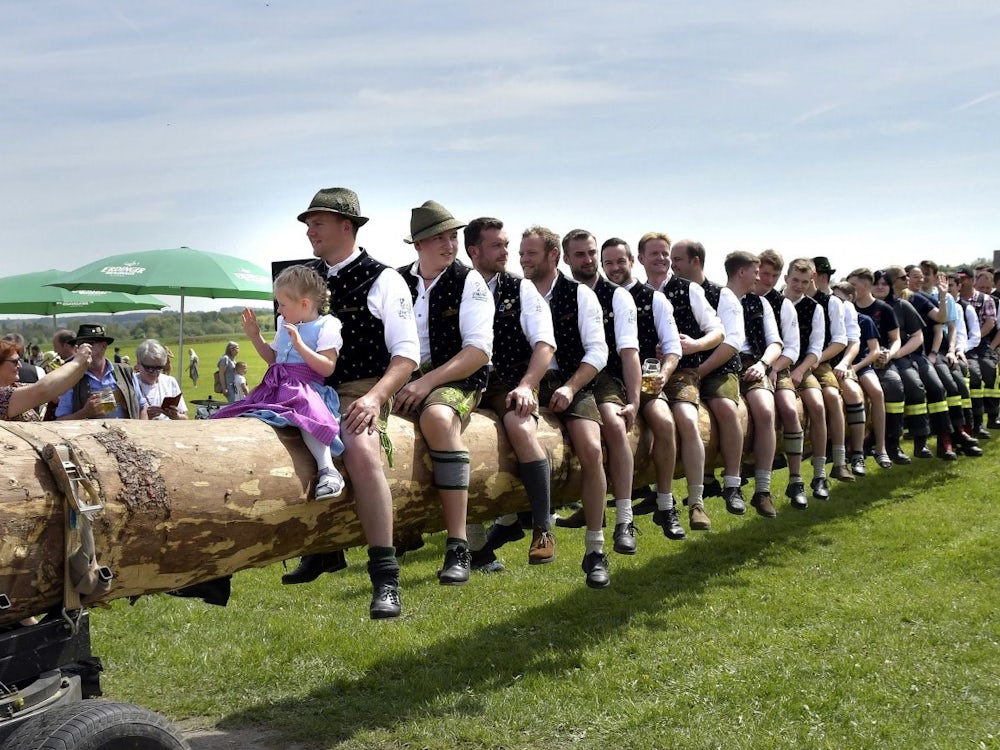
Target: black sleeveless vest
<point x="678" y="291"/>
<point x="823" y="300"/>
<point x="753" y="321"/>
<point x="364" y="354"/>
<point x="713" y="293"/>
<point x="649" y="337"/>
<point x="511" y="348"/>
<point x="566" y="322"/>
<point x="805" y="308"/>
<point x="444" y="309"/>
<point x="605" y="292"/>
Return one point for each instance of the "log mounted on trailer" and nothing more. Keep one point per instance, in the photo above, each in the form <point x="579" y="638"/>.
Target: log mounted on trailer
<point x="186" y="502"/>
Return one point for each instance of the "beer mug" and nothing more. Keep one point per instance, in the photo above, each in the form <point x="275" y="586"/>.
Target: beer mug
<point x="108" y="402"/>
<point x="650" y="371"/>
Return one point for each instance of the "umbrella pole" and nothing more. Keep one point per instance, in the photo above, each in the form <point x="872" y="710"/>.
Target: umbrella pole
<point x="180" y="346"/>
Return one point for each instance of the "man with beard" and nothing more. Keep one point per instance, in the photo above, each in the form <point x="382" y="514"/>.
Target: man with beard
<point x="523" y="344"/>
<point x="658" y="339"/>
<point x="581" y="353"/>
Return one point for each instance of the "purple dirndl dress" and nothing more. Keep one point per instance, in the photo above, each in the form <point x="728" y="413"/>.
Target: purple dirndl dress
<point x="292" y="393"/>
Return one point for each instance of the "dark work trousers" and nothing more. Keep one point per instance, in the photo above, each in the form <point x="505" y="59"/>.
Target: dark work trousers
<point x="915" y="411"/>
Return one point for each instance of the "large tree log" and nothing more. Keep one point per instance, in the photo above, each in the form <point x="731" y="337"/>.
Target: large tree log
<point x="189" y="501"/>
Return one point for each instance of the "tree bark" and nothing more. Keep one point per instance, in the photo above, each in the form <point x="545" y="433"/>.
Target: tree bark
<point x="189" y="501"/>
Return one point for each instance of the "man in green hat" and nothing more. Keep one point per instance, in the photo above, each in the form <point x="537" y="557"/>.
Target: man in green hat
<point x="454" y="351"/>
<point x="379" y="353"/>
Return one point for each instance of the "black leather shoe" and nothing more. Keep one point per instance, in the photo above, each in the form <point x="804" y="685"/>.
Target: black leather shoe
<point x="820" y="488"/>
<point x="735" y="503"/>
<point x="311" y="567"/>
<point x="645" y="506"/>
<point x="898" y="457"/>
<point x="499" y="535"/>
<point x="981" y="433"/>
<point x="858" y="465"/>
<point x="625" y="543"/>
<point x="215" y="592"/>
<point x="796" y="492"/>
<point x="712" y="488"/>
<point x="595" y="565"/>
<point x="922" y="451"/>
<point x="970" y="450"/>
<point x="577" y="520"/>
<point x="385" y="601"/>
<point x="457" y="564"/>
<point x="670" y="522"/>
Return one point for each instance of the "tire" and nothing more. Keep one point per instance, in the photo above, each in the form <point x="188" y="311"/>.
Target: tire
<point x="97" y="725"/>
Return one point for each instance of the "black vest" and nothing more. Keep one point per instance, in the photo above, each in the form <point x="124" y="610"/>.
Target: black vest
<point x="649" y="337"/>
<point x="753" y="322"/>
<point x="363" y="354"/>
<point x="713" y="293"/>
<point x="823" y="300"/>
<point x="511" y="348"/>
<point x="678" y="292"/>
<point x="605" y="292"/>
<point x="566" y="322"/>
<point x="805" y="308"/>
<point x="445" y="308"/>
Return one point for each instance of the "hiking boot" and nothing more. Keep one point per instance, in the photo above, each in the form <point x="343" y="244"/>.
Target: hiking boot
<point x="595" y="565"/>
<point x="842" y="473"/>
<point x="670" y="522"/>
<point x="762" y="502"/>
<point x="735" y="503"/>
<point x="456" y="568"/>
<point x="499" y="535"/>
<point x="543" y="547"/>
<point x="796" y="492"/>
<point x="624" y="537"/>
<point x="698" y="519"/>
<point x="820" y="488"/>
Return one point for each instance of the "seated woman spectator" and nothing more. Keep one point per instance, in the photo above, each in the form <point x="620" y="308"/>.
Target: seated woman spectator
<point x="17" y="401"/>
<point x="150" y="363"/>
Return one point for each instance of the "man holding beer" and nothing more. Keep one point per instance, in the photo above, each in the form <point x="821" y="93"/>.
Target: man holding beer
<point x="107" y="390"/>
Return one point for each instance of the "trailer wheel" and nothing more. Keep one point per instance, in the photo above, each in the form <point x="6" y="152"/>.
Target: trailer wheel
<point x="97" y="725"/>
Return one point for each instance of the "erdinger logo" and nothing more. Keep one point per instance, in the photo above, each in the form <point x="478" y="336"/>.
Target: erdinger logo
<point x="251" y="277"/>
<point x="129" y="269"/>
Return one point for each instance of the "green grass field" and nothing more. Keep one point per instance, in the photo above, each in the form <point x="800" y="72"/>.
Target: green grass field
<point x="867" y="621"/>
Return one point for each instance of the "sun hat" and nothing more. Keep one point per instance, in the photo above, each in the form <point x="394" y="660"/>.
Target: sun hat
<point x="336" y="200"/>
<point x="89" y="333"/>
<point x="429" y="220"/>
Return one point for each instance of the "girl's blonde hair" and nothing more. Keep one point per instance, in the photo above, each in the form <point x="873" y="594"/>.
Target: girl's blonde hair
<point x="304" y="282"/>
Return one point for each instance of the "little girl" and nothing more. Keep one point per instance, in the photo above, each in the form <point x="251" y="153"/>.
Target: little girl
<point x="242" y="391"/>
<point x="302" y="355"/>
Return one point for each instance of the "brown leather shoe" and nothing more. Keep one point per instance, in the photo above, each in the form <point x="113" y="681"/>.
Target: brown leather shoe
<point x="842" y="473"/>
<point x="762" y="502"/>
<point x="698" y="519"/>
<point x="543" y="547"/>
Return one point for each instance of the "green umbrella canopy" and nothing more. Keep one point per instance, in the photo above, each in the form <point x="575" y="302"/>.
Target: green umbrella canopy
<point x="182" y="271"/>
<point x="28" y="294"/>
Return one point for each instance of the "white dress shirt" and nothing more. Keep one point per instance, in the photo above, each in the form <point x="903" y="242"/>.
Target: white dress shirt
<point x="590" y="321"/>
<point x="475" y="318"/>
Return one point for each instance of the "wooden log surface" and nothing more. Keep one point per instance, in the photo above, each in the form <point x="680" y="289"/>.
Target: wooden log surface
<point x="186" y="501"/>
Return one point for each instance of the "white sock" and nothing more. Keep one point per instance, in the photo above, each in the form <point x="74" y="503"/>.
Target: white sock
<point x="762" y="480"/>
<point x="664" y="500"/>
<point x="819" y="466"/>
<point x="595" y="541"/>
<point x="623" y="511"/>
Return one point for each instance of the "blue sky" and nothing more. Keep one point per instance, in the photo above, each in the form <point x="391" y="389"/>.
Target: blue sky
<point x="865" y="131"/>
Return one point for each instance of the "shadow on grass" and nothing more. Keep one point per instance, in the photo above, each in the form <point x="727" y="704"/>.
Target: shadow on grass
<point x="397" y="689"/>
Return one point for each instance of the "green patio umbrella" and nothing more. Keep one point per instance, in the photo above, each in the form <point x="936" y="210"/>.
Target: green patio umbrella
<point x="27" y="294"/>
<point x="182" y="271"/>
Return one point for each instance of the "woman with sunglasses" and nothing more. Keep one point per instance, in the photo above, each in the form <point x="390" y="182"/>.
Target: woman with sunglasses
<point x="150" y="361"/>
<point x="18" y="401"/>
